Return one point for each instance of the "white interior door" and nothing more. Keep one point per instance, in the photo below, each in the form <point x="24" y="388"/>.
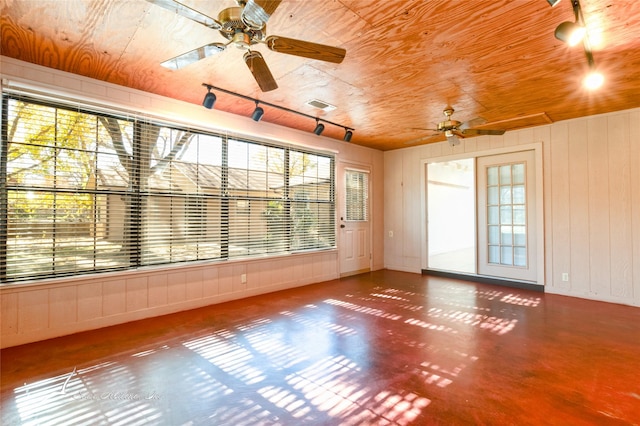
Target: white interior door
<point x="506" y="194"/>
<point x="355" y="225"/>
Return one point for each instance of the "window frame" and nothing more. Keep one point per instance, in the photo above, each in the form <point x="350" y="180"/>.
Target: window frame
<point x="135" y="257"/>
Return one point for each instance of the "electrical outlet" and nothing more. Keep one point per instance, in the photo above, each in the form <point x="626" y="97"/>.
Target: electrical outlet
<point x="243" y="278"/>
<point x="390" y="234"/>
<point x="565" y="276"/>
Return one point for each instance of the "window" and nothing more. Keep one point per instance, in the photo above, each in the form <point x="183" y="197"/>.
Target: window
<point x="356" y="194"/>
<point x="88" y="192"/>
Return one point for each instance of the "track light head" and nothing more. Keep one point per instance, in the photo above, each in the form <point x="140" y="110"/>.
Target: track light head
<point x="257" y="113"/>
<point x="593" y="80"/>
<point x="209" y="99"/>
<point x="347" y="135"/>
<point x="319" y="128"/>
<point x="571" y="33"/>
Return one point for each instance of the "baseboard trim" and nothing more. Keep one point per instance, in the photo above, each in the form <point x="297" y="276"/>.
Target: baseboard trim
<point x="523" y="285"/>
<point x="349" y="274"/>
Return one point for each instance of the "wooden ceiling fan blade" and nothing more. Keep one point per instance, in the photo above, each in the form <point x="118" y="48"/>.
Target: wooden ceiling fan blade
<point x="256" y="13"/>
<point x="194" y="55"/>
<point x="185" y="11"/>
<point x="429" y="138"/>
<point x="478" y="121"/>
<point x="258" y="67"/>
<point x="306" y="49"/>
<point x="482" y="132"/>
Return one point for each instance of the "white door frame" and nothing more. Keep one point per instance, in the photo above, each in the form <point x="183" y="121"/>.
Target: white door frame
<point x="539" y="177"/>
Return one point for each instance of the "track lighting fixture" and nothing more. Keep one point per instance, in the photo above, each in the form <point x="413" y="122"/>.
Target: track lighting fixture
<point x="258" y="112"/>
<point x="552" y="3"/>
<point x="319" y="128"/>
<point x="574" y="33"/>
<point x="571" y="33"/>
<point x="209" y="99"/>
<point x="593" y="80"/>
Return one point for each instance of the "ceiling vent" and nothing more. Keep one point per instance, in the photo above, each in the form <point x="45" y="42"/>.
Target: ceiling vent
<point x="320" y="105"/>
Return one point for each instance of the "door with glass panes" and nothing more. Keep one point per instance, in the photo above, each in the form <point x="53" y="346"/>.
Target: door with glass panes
<point x="355" y="232"/>
<point x="506" y="196"/>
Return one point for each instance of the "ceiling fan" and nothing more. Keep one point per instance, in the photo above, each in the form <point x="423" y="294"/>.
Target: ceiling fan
<point x="453" y="129"/>
<point x="245" y="26"/>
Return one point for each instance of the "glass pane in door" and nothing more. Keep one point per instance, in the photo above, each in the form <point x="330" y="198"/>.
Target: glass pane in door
<point x="506" y="207"/>
<point x="356" y="195"/>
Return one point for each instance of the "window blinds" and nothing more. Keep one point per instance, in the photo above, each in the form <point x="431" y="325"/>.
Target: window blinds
<point x="87" y="192"/>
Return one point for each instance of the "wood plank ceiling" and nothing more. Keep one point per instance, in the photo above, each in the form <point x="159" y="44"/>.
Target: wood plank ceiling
<point x="406" y="59"/>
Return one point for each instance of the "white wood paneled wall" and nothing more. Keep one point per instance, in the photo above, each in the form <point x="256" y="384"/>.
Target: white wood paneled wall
<point x="591" y="197"/>
<point x="64" y="306"/>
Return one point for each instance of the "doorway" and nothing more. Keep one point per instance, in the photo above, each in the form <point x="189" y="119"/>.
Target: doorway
<point x="484" y="216"/>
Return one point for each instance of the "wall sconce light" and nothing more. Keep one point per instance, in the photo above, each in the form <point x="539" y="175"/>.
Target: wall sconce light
<point x="348" y="134"/>
<point x="209" y="99"/>
<point x="257" y="113"/>
<point x="319" y="128"/>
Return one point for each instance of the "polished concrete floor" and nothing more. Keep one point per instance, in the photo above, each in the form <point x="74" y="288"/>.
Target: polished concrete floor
<point x="385" y="348"/>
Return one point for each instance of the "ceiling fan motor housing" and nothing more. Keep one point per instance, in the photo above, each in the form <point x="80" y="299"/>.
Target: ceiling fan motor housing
<point x="448" y="125"/>
<point x="235" y="30"/>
